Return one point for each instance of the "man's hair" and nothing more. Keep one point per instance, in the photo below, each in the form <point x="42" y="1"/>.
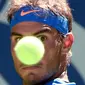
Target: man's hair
<point x="60" y="7"/>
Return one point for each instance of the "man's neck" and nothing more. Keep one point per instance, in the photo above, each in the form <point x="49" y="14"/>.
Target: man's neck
<point x="64" y="76"/>
<point x="26" y="83"/>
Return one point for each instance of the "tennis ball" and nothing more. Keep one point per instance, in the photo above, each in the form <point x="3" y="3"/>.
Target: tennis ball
<point x="29" y="50"/>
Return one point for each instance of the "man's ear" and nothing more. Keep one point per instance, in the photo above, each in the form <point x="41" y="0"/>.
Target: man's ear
<point x="68" y="41"/>
<point x="64" y="60"/>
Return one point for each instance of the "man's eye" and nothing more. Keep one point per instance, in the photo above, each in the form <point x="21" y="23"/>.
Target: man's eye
<point x="17" y="39"/>
<point x="42" y="37"/>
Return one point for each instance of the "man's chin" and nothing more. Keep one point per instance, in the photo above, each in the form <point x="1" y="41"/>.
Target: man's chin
<point x="32" y="79"/>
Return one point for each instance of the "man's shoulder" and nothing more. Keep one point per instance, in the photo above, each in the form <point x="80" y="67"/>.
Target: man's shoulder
<point x="59" y="81"/>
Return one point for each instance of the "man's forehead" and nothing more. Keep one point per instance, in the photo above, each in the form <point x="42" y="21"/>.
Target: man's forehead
<point x="31" y="27"/>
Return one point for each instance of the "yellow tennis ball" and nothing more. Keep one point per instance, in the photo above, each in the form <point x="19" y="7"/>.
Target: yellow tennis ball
<point x="29" y="50"/>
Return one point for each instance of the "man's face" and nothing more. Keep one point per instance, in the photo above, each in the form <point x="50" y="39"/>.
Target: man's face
<point x="49" y="65"/>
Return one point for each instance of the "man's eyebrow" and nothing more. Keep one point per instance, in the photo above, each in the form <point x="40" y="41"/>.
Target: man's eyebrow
<point x="42" y="31"/>
<point x="16" y="34"/>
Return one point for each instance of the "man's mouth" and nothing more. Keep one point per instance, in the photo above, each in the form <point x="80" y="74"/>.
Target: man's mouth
<point x="32" y="67"/>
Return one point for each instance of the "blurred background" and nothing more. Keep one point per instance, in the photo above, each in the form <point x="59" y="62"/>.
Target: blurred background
<point x="76" y="71"/>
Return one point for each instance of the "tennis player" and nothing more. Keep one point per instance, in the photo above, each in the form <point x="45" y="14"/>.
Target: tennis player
<point x="51" y="22"/>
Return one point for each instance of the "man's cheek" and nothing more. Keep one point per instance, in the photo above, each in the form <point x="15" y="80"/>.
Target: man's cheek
<point x="16" y="61"/>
